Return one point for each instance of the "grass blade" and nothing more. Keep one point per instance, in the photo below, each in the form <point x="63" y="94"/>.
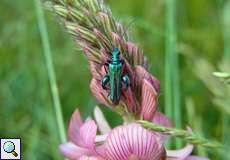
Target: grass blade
<point x="226" y="29"/>
<point x="226" y="34"/>
<point x="172" y="89"/>
<point x="195" y="123"/>
<point x="50" y="69"/>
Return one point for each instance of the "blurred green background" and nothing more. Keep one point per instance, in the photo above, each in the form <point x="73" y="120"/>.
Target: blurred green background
<point x="26" y="108"/>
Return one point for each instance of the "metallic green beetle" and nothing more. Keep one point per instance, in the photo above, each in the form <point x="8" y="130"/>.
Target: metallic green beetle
<point x="115" y="78"/>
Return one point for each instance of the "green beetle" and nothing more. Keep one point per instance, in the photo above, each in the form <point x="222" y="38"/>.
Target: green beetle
<point x="115" y="78"/>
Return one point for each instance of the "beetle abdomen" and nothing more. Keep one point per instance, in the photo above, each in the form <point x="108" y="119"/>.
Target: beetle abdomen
<point x="115" y="72"/>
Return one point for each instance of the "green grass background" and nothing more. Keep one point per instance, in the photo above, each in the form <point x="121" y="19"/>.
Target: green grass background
<point x="26" y="108"/>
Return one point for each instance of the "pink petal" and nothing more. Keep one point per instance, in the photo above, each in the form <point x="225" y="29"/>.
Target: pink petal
<point x="101" y="121"/>
<point x="128" y="96"/>
<point x="74" y="127"/>
<point x="148" y="101"/>
<point x="129" y="70"/>
<point x="142" y="73"/>
<point x="161" y="119"/>
<point x="101" y="150"/>
<point x="181" y="153"/>
<point x="129" y="99"/>
<point x="136" y="54"/>
<point x="99" y="93"/>
<point x="73" y="151"/>
<point x="132" y="140"/>
<point x="88" y="133"/>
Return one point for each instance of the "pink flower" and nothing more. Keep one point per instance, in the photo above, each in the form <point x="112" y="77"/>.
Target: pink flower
<point x="82" y="138"/>
<point x="132" y="140"/>
<point x="125" y="142"/>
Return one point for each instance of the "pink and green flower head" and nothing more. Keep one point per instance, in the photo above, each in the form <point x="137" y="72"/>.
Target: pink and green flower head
<point x="125" y="142"/>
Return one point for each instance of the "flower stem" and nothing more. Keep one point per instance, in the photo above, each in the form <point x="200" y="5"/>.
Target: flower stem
<point x="50" y="69"/>
<point x="186" y="135"/>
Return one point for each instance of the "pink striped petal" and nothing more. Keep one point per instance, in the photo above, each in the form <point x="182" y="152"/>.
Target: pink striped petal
<point x="148" y="101"/>
<point x="128" y="69"/>
<point x="101" y="150"/>
<point x="136" y="54"/>
<point x="132" y="141"/>
<point x="142" y="73"/>
<point x="88" y="133"/>
<point x="73" y="151"/>
<point x="129" y="99"/>
<point x="74" y="127"/>
<point x="128" y="95"/>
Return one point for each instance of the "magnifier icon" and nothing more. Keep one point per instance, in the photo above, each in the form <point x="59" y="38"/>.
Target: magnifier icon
<point x="9" y="147"/>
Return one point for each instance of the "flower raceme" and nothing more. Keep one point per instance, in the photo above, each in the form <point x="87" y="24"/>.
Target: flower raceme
<point x="97" y="33"/>
<point x="125" y="142"/>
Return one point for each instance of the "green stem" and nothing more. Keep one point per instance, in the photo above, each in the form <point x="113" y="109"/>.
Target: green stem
<point x="50" y="69"/>
<point x="168" y="64"/>
<point x="196" y="123"/>
<point x="172" y="89"/>
<point x="186" y="135"/>
<point x="226" y="34"/>
<point x="226" y="30"/>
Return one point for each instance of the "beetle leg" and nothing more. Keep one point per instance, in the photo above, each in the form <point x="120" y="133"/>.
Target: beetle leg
<point x="122" y="61"/>
<point x="126" y="81"/>
<point x="108" y="62"/>
<point x="105" y="68"/>
<point x="107" y="65"/>
<point x="105" y="81"/>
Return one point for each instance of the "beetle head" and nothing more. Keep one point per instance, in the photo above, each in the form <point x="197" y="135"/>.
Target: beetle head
<point x="116" y="53"/>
